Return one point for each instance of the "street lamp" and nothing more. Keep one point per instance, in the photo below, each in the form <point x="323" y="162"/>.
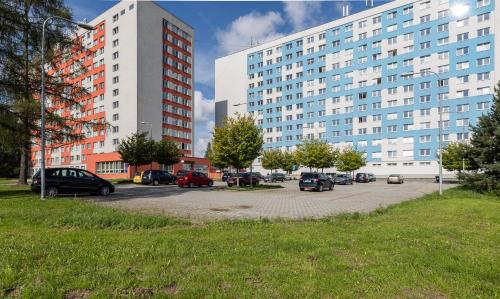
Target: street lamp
<point x="42" y="99"/>
<point x="150" y="136"/>
<point x="440" y="110"/>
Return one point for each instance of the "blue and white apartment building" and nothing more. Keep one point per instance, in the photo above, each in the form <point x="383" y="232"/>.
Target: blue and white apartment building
<point x="373" y="80"/>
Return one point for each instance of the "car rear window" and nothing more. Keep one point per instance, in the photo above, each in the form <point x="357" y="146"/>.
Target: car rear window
<point x="309" y="175"/>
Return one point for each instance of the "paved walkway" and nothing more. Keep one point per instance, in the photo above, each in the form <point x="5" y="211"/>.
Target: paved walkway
<point x="288" y="202"/>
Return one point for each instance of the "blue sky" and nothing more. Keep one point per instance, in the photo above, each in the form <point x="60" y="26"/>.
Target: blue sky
<point x="225" y="27"/>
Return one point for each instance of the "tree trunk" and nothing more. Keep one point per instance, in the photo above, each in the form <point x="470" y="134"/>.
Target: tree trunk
<point x="24" y="164"/>
<point x="238" y="177"/>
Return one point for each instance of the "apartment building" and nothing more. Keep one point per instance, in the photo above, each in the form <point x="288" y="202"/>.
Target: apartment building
<point x="374" y="80"/>
<point x="139" y="77"/>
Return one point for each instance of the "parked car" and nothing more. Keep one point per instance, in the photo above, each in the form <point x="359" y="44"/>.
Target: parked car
<point x="395" y="179"/>
<point x="331" y="175"/>
<point x="244" y="179"/>
<point x="194" y="178"/>
<point x="365" y="177"/>
<point x="138" y="177"/>
<point x="315" y="181"/>
<point x="156" y="177"/>
<point x="275" y="177"/>
<point x="288" y="177"/>
<point x="225" y="176"/>
<point x="259" y="175"/>
<point x="70" y="181"/>
<point x="343" y="179"/>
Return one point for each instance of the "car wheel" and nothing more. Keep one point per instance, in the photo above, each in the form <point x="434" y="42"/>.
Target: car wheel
<point x="167" y="183"/>
<point x="190" y="185"/>
<point x="301" y="189"/>
<point x="210" y="183"/>
<point x="155" y="183"/>
<point x="104" y="191"/>
<point x="51" y="192"/>
<point x="320" y="188"/>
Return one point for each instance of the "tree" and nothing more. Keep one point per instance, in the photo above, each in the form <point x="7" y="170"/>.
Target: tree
<point x="137" y="150"/>
<point x="315" y="154"/>
<point x="272" y="159"/>
<point x="215" y="159"/>
<point x="238" y="142"/>
<point x="288" y="162"/>
<point x="208" y="150"/>
<point x="350" y="160"/>
<point x="166" y="152"/>
<point x="456" y="155"/>
<point x="20" y="72"/>
<point x="485" y="142"/>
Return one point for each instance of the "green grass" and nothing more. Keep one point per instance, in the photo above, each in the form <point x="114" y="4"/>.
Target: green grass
<point x="425" y="248"/>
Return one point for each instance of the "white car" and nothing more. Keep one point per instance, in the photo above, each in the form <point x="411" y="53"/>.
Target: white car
<point x="395" y="179"/>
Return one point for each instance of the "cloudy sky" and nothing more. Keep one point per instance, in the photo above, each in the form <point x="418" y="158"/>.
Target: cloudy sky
<point x="222" y="28"/>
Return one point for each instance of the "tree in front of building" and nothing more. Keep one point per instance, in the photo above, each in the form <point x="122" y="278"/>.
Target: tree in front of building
<point x="315" y="154"/>
<point x="271" y="159"/>
<point x="137" y="150"/>
<point x="238" y="142"/>
<point x="350" y="160"/>
<point x="20" y="73"/>
<point x="288" y="161"/>
<point x="166" y="152"/>
<point x="457" y="156"/>
<point x="485" y="142"/>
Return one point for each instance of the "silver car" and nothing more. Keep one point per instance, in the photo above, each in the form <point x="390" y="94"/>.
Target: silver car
<point x="395" y="179"/>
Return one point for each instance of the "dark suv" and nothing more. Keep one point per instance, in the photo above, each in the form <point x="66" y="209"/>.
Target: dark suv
<point x="365" y="177"/>
<point x="315" y="181"/>
<point x="244" y="179"/>
<point x="71" y="181"/>
<point x="275" y="177"/>
<point x="156" y="177"/>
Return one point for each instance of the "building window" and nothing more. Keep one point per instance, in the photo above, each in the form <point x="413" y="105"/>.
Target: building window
<point x="111" y="167"/>
<point x="115" y="30"/>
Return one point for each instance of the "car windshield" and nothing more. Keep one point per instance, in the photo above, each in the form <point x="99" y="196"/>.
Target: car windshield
<point x="341" y="176"/>
<point x="394" y="175"/>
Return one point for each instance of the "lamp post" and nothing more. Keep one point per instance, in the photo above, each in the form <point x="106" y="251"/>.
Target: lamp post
<point x="42" y="99"/>
<point x="150" y="136"/>
<point x="440" y="126"/>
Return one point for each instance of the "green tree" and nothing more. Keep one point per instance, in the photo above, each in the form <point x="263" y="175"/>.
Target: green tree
<point x="456" y="155"/>
<point x="215" y="159"/>
<point x="238" y="142"/>
<point x="20" y="72"/>
<point x="485" y="142"/>
<point x="272" y="159"/>
<point x="208" y="150"/>
<point x="166" y="152"/>
<point x="350" y="160"/>
<point x="288" y="161"/>
<point x="137" y="150"/>
<point x="315" y="154"/>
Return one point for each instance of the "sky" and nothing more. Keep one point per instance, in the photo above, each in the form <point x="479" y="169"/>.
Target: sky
<point x="225" y="27"/>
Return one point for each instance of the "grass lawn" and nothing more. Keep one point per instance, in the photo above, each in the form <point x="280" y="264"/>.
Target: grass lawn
<point x="425" y="248"/>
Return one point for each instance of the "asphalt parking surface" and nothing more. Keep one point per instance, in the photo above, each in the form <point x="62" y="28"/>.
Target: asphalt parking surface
<point x="288" y="202"/>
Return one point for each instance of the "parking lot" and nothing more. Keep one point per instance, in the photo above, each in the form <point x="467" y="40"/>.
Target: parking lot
<point x="288" y="202"/>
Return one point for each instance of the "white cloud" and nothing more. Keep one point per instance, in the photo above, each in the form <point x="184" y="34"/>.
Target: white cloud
<point x="203" y="108"/>
<point x="253" y="26"/>
<point x="204" y="68"/>
<point x="302" y="15"/>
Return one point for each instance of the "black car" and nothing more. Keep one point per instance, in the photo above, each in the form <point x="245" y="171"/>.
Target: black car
<point x="365" y="177"/>
<point x="156" y="177"/>
<point x="275" y="177"/>
<point x="315" y="181"/>
<point x="343" y="179"/>
<point x="245" y="179"/>
<point x="71" y="181"/>
<point x="226" y="175"/>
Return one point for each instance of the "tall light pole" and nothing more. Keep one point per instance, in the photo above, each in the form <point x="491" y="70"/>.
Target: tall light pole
<point x="440" y="126"/>
<point x="42" y="99"/>
<point x="150" y="136"/>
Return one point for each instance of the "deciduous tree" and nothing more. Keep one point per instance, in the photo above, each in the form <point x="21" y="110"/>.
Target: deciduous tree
<point x="137" y="150"/>
<point x="272" y="159"/>
<point x="457" y="155"/>
<point x="350" y="160"/>
<point x="315" y="154"/>
<point x="166" y="152"/>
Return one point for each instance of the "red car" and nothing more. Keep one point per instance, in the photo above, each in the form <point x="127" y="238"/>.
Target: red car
<point x="194" y="178"/>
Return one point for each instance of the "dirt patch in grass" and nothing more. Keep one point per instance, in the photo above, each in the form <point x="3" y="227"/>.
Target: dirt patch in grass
<point x="171" y="289"/>
<point x="11" y="292"/>
<point x="77" y="294"/>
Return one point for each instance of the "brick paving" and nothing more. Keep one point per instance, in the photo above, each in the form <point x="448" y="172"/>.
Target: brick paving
<point x="288" y="202"/>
